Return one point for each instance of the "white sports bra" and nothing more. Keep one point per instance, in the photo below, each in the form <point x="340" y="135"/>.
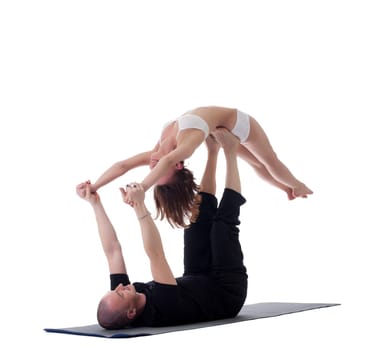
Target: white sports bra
<point x="190" y="121"/>
<point x="193" y="121"/>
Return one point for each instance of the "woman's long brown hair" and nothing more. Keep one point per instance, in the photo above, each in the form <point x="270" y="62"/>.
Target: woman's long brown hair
<point x="179" y="200"/>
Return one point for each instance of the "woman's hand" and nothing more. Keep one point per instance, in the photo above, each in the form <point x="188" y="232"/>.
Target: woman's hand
<point x="134" y="194"/>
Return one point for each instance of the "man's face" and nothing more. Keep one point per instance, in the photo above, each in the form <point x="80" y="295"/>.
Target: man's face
<point x="122" y="297"/>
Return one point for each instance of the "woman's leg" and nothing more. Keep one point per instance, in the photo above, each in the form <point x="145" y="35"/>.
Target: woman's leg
<point x="261" y="171"/>
<point x="258" y="144"/>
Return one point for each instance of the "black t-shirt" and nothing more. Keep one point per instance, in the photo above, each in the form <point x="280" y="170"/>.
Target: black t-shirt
<point x="195" y="298"/>
<point x="161" y="301"/>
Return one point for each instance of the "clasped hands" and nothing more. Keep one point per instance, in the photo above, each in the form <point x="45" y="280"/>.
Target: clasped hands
<point x="132" y="194"/>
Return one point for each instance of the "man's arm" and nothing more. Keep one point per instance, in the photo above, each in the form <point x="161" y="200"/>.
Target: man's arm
<point x="110" y="243"/>
<point x="160" y="269"/>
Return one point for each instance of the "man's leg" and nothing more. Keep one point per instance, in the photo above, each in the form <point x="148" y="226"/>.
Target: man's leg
<point x="227" y="257"/>
<point x="197" y="245"/>
<point x="227" y="254"/>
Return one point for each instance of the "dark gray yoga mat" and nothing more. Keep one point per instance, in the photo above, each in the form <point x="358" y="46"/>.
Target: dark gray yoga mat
<point x="248" y="312"/>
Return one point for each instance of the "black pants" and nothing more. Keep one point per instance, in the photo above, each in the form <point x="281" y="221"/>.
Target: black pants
<point x="212" y="247"/>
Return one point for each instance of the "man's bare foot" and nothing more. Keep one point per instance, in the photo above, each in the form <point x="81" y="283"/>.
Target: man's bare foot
<point x="211" y="144"/>
<point x="226" y="139"/>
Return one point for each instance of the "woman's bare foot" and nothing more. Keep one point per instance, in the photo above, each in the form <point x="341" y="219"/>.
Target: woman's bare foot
<point x="290" y="194"/>
<point x="302" y="191"/>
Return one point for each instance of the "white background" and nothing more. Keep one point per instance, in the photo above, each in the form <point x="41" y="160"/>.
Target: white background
<point x="86" y="83"/>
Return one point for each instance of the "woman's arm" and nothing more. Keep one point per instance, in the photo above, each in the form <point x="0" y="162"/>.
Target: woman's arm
<point x="120" y="168"/>
<point x="188" y="141"/>
<point x="160" y="269"/>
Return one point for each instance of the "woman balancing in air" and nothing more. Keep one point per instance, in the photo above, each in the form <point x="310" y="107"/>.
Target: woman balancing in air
<point x="174" y="185"/>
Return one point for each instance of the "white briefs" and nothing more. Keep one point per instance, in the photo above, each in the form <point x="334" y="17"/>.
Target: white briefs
<point x="242" y="126"/>
<point x="193" y="121"/>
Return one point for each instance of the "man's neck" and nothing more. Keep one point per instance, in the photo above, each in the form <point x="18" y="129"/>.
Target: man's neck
<point x="140" y="302"/>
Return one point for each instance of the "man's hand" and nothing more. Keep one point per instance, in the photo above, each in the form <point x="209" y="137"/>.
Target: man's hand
<point x="83" y="190"/>
<point x="107" y="234"/>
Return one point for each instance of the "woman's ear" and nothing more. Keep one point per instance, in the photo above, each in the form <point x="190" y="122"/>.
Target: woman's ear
<point x="179" y="165"/>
